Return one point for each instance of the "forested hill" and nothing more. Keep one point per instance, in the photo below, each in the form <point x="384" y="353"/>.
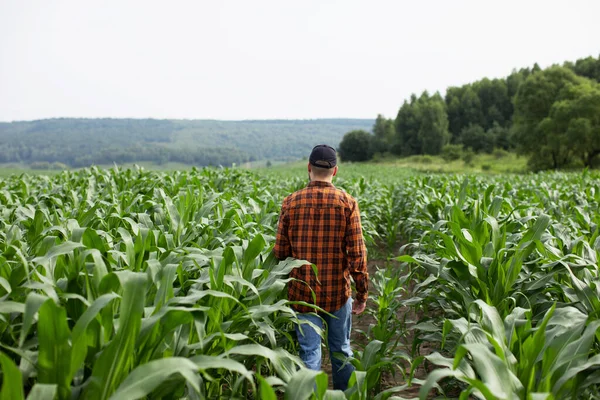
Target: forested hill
<point x="83" y="142"/>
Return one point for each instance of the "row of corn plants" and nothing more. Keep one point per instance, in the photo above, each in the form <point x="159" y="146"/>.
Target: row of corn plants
<point x="126" y="284"/>
<point x="506" y="280"/>
<point x="135" y="284"/>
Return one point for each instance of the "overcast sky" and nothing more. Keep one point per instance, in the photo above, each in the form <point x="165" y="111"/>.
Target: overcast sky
<point x="255" y="59"/>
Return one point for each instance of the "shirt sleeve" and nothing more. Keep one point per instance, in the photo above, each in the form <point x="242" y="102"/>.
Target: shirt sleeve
<point x="282" y="247"/>
<point x="356" y="252"/>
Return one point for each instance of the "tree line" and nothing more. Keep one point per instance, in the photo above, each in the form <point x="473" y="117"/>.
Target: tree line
<point x="80" y="142"/>
<point x="551" y="115"/>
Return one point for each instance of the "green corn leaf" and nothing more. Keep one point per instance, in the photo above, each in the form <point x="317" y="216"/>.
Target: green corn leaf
<point x="496" y="236"/>
<point x="253" y="350"/>
<point x="243" y="282"/>
<point x="357" y="386"/>
<point x="575" y="352"/>
<point x="462" y="195"/>
<point x="32" y="304"/>
<point x="540" y="396"/>
<point x="6" y="286"/>
<point x="129" y="247"/>
<point x="79" y="330"/>
<point x="371" y="354"/>
<point x="7" y="307"/>
<point x="99" y="267"/>
<point x="494" y="373"/>
<point x="491" y="321"/>
<point x="572" y="371"/>
<point x="255" y="247"/>
<point x="304" y="383"/>
<point x="116" y="360"/>
<point x="54" y="357"/>
<point x="147" y="377"/>
<point x="532" y="347"/>
<point x="585" y="293"/>
<point x="482" y="387"/>
<point x="12" y="386"/>
<point x="266" y="391"/>
<point x="41" y="391"/>
<point x="536" y="231"/>
<point x="433" y="378"/>
<point x="55" y="251"/>
<point x="284" y="363"/>
<point x="165" y="289"/>
<point x="209" y="362"/>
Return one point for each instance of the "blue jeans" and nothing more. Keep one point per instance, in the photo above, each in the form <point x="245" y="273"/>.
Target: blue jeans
<point x="338" y="341"/>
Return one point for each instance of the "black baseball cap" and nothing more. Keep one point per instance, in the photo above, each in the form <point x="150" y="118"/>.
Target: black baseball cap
<point x="323" y="156"/>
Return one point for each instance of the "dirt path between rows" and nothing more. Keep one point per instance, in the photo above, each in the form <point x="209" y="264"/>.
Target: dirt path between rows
<point x="364" y="321"/>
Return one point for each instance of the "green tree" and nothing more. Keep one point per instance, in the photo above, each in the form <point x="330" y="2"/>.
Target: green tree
<point x="421" y="126"/>
<point x="550" y="107"/>
<point x="514" y="80"/>
<point x="454" y="111"/>
<point x="494" y="100"/>
<point x="452" y="152"/>
<point x="587" y="67"/>
<point x="408" y="122"/>
<point x="356" y="146"/>
<point x="474" y="137"/>
<point x="500" y="137"/>
<point x="472" y="112"/>
<point x="433" y="131"/>
<point x="384" y="133"/>
<point x="576" y="115"/>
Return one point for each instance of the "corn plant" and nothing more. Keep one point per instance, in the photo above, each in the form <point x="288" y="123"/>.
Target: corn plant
<point x="126" y="283"/>
<point x="501" y="246"/>
<point x="516" y="358"/>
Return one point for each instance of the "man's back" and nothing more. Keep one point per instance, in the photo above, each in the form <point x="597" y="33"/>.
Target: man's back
<point x="321" y="224"/>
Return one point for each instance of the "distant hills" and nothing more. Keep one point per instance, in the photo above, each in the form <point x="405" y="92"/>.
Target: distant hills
<point x="82" y="142"/>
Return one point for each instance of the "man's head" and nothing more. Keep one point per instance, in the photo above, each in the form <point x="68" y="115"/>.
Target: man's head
<point x="322" y="163"/>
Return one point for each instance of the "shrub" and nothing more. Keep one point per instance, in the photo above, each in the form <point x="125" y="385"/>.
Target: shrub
<point x="420" y="159"/>
<point x="356" y="146"/>
<point x="468" y="157"/>
<point x="59" y="166"/>
<point x="475" y="138"/>
<point x="452" y="152"/>
<point x="499" y="153"/>
<point x="40" y="165"/>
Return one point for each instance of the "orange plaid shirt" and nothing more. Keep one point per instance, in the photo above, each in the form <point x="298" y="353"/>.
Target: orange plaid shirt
<point x="321" y="224"/>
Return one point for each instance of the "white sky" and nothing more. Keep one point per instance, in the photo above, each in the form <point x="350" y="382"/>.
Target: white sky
<point x="257" y="59"/>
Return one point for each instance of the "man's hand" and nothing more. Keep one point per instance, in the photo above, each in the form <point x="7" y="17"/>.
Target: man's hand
<point x="358" y="308"/>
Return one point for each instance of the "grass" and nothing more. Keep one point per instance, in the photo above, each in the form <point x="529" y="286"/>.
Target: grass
<point x="387" y="167"/>
<point x="7" y="170"/>
<point x="368" y="171"/>
<point x="149" y="165"/>
<point x="481" y="163"/>
<point x="400" y="168"/>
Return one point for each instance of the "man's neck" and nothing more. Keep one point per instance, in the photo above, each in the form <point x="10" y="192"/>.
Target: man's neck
<point x="326" y="180"/>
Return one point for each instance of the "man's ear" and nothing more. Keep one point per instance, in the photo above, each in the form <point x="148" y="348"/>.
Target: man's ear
<point x="335" y="169"/>
<point x="309" y="168"/>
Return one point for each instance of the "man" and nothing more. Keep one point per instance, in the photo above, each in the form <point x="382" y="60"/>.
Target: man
<point x="321" y="224"/>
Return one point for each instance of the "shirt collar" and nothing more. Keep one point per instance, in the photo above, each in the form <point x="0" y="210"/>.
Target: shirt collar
<point x="320" y="184"/>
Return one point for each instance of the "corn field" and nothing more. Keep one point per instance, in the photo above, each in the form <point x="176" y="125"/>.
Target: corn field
<point x="131" y="284"/>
